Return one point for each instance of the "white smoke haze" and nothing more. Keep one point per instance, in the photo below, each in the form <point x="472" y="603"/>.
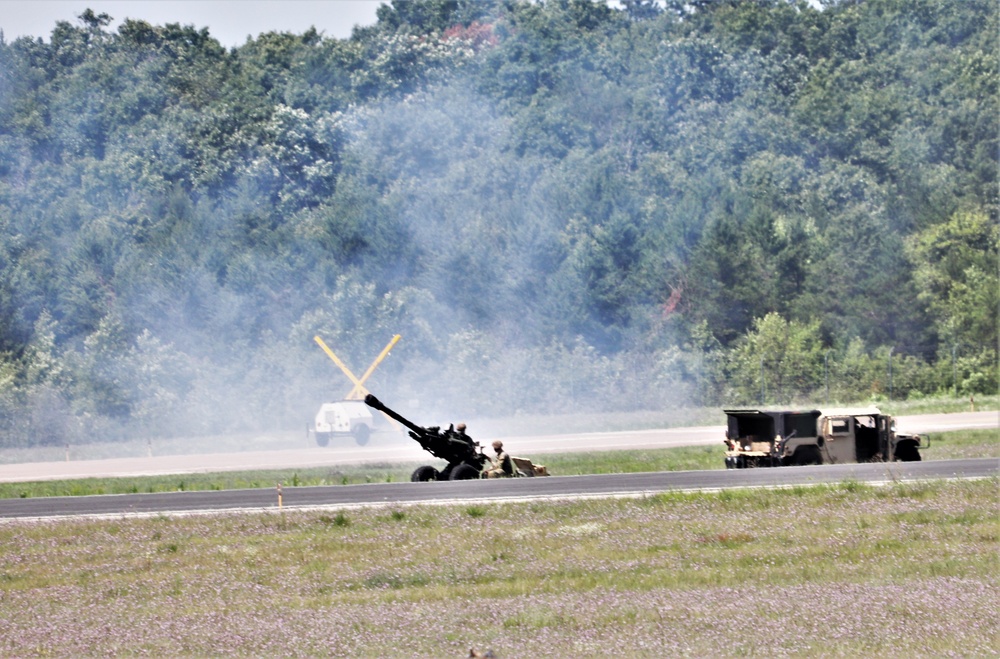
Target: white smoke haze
<point x="489" y="267"/>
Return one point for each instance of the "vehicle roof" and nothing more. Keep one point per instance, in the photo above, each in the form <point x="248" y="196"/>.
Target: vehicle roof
<point x="770" y="412"/>
<point x="827" y="411"/>
<point x="851" y="411"/>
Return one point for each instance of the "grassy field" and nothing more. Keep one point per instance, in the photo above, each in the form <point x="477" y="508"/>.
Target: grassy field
<point x="957" y="444"/>
<point x="844" y="570"/>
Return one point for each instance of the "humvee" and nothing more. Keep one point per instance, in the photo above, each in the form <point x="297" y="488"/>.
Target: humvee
<point x="343" y="418"/>
<point x="771" y="438"/>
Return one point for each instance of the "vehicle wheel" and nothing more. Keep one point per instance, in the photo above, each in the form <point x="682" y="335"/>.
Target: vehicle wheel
<point x="907" y="453"/>
<point x="362" y="434"/>
<point x="424" y="474"/>
<point x="463" y="472"/>
<point x="807" y="455"/>
<point x="323" y="439"/>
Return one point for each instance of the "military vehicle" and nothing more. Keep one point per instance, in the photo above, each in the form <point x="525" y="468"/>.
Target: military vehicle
<point x="761" y="438"/>
<point x="343" y="418"/>
<point x="465" y="457"/>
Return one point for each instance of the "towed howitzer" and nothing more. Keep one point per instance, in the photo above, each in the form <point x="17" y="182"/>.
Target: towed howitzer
<point x="465" y="457"/>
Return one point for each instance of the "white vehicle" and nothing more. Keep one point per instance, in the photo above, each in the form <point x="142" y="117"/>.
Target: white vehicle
<point x="346" y="417"/>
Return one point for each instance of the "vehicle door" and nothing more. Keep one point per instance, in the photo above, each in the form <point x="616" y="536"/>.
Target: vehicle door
<point x="886" y="429"/>
<point x="838" y="440"/>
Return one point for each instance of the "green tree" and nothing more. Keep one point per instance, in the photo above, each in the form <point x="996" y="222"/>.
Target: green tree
<point x="777" y="361"/>
<point x="956" y="271"/>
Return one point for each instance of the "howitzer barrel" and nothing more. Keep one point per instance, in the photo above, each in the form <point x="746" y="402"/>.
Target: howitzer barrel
<point x="376" y="404"/>
<point x="448" y="445"/>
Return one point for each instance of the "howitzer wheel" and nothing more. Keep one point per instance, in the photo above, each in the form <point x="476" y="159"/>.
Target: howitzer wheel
<point x="463" y="472"/>
<point x="424" y="474"/>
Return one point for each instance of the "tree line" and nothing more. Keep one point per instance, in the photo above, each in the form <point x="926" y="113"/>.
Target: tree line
<point x="559" y="205"/>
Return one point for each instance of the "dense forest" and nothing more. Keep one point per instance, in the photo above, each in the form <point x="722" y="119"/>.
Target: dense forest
<point x="560" y="205"/>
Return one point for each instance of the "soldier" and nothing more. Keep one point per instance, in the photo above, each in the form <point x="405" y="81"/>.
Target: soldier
<point x="503" y="466"/>
<point x="461" y="444"/>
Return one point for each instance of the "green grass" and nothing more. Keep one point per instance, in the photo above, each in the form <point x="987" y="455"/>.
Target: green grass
<point x="980" y="443"/>
<point x="956" y="444"/>
<point x="939" y="405"/>
<point x="835" y="570"/>
<point x="214" y="481"/>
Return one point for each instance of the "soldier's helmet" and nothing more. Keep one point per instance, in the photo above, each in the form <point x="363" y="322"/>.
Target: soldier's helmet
<point x="460" y="427"/>
<point x="498" y="445"/>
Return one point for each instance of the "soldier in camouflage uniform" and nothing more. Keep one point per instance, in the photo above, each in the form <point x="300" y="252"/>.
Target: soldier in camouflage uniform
<point x="503" y="466"/>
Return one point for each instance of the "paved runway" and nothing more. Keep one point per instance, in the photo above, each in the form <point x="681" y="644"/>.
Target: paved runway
<point x="513" y="489"/>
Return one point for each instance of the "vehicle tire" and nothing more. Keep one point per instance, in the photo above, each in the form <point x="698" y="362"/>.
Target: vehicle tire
<point x="807" y="455"/>
<point x="907" y="452"/>
<point x="463" y="472"/>
<point x="323" y="439"/>
<point x="361" y="435"/>
<point x="424" y="474"/>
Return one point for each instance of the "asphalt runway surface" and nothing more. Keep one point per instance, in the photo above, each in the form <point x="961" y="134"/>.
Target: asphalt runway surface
<point x="500" y="490"/>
